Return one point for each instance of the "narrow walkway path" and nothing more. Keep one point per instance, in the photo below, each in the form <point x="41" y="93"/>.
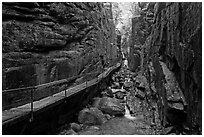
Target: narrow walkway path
<point x="31" y="111"/>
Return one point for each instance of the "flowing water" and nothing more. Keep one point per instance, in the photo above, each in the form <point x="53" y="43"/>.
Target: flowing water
<point x="132" y="122"/>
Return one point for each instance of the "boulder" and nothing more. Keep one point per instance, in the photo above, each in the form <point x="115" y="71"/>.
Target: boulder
<point x="115" y="85"/>
<point x="76" y="127"/>
<point x="91" y="130"/>
<point x="91" y="116"/>
<point x="141" y="82"/>
<point x="173" y="90"/>
<point x="128" y="84"/>
<point x="140" y="94"/>
<point x="175" y="97"/>
<point x="107" y="116"/>
<point x="119" y="95"/>
<point x="111" y="106"/>
<point x="96" y="102"/>
<point x="178" y="106"/>
<point x="68" y="132"/>
<point x="108" y="92"/>
<point x="133" y="103"/>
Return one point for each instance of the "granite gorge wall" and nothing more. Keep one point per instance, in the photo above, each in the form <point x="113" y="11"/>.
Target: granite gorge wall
<point x="141" y="29"/>
<point x="44" y="42"/>
<point x="172" y="58"/>
<point x="176" y="40"/>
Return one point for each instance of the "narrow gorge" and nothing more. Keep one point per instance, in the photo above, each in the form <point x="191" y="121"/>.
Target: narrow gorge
<point x="102" y="68"/>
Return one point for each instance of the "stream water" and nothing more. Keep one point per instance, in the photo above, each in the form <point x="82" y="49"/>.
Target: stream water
<point x="138" y="117"/>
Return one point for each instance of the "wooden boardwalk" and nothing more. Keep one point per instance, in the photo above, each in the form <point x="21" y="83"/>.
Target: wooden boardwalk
<point x="25" y="111"/>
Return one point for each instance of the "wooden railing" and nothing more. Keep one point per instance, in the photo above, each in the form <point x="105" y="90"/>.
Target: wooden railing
<point x="27" y="110"/>
<point x="20" y="96"/>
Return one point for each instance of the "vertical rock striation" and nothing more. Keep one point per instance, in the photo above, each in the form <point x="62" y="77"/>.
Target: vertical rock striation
<point x="177" y="41"/>
<point x="173" y="52"/>
<point x="141" y="28"/>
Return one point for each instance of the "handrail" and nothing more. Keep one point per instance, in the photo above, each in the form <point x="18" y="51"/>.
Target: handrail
<point x="53" y="83"/>
<point x="58" y="82"/>
<point x="32" y="89"/>
<point x="98" y="78"/>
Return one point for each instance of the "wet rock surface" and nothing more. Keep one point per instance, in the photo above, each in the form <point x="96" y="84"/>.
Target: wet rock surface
<point x="91" y="116"/>
<point x="111" y="106"/>
<point x="125" y="112"/>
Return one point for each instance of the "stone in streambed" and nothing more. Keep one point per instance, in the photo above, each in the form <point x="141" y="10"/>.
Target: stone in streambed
<point x="108" y="93"/>
<point x="128" y="84"/>
<point x="92" y="130"/>
<point x="96" y="102"/>
<point x="141" y="82"/>
<point x="140" y="94"/>
<point x="76" y="127"/>
<point x="119" y="95"/>
<point x="115" y="85"/>
<point x="133" y="103"/>
<point x="111" y="106"/>
<point x="91" y="116"/>
<point x="107" y="116"/>
<point x="68" y="132"/>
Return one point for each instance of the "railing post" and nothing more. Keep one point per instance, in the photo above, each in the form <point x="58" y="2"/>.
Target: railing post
<point x="98" y="82"/>
<point x="65" y="91"/>
<point x="31" y="103"/>
<point x="86" y="81"/>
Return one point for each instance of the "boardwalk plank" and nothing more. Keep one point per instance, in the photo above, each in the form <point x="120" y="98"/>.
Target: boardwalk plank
<point x="21" y="112"/>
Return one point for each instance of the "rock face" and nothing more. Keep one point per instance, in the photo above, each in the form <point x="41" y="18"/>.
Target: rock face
<point x="141" y="28"/>
<point x="175" y="41"/>
<point x="134" y="55"/>
<point x="177" y="38"/>
<point x="44" y="42"/>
